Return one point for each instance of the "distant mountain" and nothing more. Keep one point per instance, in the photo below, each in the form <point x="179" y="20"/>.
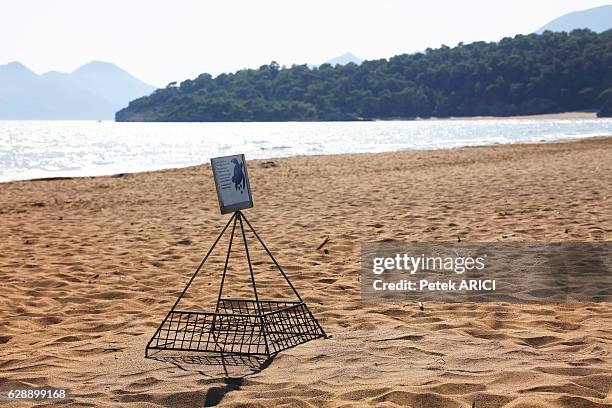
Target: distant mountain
<point x="344" y="59"/>
<point x="598" y="19"/>
<point x="94" y="91"/>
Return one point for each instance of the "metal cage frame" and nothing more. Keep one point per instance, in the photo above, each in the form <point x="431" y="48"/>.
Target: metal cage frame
<point x="240" y="332"/>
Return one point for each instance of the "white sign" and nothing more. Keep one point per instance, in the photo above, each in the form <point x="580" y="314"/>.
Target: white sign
<point x="232" y="182"/>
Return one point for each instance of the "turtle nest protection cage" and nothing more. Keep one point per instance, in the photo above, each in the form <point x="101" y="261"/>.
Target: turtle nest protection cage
<point x="241" y="331"/>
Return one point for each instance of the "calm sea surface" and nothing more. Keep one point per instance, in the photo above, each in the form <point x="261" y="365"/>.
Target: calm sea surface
<point x="72" y="148"/>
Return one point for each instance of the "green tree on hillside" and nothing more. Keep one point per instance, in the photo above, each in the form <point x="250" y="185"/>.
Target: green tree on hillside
<point x="527" y="74"/>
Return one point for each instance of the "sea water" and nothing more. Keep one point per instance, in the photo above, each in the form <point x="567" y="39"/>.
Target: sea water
<point x="38" y="149"/>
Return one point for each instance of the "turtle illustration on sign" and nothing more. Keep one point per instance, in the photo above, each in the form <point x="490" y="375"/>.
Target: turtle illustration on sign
<point x="238" y="178"/>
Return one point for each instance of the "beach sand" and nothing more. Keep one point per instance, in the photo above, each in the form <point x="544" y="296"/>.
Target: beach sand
<point x="555" y="116"/>
<point x="90" y="266"/>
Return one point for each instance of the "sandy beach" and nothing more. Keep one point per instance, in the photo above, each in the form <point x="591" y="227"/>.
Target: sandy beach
<point x="557" y="116"/>
<point x="90" y="266"/>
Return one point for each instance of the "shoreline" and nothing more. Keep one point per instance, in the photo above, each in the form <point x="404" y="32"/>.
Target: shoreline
<point x="559" y="115"/>
<point x="121" y="174"/>
<point x="553" y="116"/>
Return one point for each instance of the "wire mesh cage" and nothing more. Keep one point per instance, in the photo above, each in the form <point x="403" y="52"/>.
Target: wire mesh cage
<point x="241" y="331"/>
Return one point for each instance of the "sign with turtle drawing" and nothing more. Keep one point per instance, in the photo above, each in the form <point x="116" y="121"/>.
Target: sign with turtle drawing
<point x="232" y="182"/>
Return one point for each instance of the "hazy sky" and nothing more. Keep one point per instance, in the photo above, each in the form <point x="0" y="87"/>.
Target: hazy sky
<point x="163" y="41"/>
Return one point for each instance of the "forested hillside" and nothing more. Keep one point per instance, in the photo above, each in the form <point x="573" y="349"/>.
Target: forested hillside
<point x="527" y="74"/>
